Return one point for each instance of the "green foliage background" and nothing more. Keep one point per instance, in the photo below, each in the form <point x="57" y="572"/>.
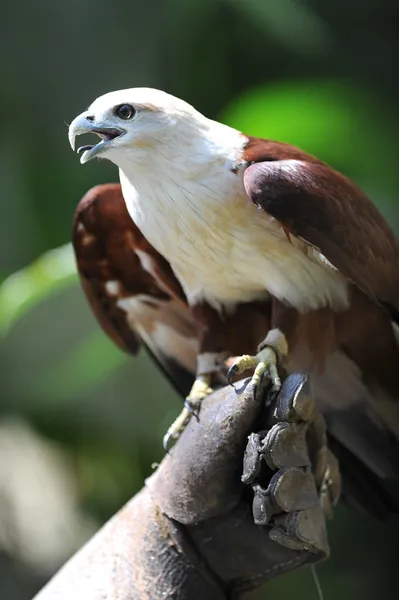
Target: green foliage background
<point x="320" y="75"/>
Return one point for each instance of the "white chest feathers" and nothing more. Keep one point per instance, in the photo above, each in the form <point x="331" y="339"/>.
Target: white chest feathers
<point x="225" y="250"/>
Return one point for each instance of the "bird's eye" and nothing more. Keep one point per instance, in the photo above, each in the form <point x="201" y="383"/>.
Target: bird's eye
<point x="125" y="111"/>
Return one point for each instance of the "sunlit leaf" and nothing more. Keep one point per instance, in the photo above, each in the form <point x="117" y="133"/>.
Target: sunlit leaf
<point x="331" y="119"/>
<point x="25" y="288"/>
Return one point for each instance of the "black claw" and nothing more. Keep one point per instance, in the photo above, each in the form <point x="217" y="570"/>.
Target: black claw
<point x="230" y="374"/>
<point x="165" y="442"/>
<point x="255" y="388"/>
<point x="272" y="396"/>
<point x="192" y="409"/>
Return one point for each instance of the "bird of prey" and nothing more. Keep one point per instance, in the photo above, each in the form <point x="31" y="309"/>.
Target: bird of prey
<point x="218" y="248"/>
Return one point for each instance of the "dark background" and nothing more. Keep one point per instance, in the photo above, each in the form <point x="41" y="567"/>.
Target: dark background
<point x="80" y="423"/>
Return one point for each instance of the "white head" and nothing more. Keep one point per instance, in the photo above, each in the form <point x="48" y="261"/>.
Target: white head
<point x="140" y="124"/>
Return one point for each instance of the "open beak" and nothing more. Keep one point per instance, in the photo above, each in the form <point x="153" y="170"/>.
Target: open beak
<point x="82" y="124"/>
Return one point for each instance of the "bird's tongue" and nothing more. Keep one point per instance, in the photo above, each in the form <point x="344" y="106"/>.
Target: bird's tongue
<point x="105" y="135"/>
<point x="84" y="148"/>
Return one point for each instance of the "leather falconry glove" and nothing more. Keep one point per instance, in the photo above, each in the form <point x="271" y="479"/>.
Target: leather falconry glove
<point x="249" y="486"/>
<point x="241" y="498"/>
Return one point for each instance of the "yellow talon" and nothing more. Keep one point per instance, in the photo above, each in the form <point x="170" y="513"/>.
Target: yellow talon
<point x="265" y="360"/>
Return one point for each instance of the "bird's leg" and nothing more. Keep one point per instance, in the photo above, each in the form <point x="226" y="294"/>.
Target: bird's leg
<point x="209" y="365"/>
<point x="271" y="352"/>
<point x="201" y="388"/>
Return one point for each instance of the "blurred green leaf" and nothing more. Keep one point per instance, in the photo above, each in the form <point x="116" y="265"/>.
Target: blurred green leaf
<point x="22" y="290"/>
<point x="91" y="362"/>
<point x="313" y="114"/>
<point x="337" y="122"/>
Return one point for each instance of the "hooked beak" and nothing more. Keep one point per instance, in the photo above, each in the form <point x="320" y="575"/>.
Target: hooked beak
<point x="85" y="124"/>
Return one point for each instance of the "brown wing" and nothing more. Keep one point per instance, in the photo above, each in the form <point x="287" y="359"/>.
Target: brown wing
<point x="322" y="207"/>
<point x="352" y="358"/>
<point x="357" y="386"/>
<point x="131" y="288"/>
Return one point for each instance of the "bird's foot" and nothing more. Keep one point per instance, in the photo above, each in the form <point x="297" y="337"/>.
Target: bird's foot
<point x="200" y="390"/>
<point x="266" y="361"/>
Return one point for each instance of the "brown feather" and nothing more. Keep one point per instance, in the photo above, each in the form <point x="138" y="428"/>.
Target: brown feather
<point x="106" y="242"/>
<point x="325" y="209"/>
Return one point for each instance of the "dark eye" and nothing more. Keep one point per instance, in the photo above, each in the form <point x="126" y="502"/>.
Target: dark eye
<point x="125" y="111"/>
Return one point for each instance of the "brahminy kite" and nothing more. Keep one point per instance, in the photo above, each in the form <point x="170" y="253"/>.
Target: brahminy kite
<point x="217" y="244"/>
